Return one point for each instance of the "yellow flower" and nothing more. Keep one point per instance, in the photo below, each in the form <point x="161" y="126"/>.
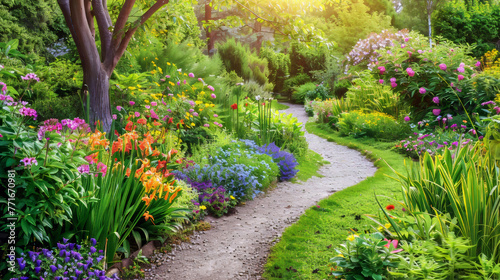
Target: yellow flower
<point x="161" y="71"/>
<point x="232" y="197"/>
<point x="387" y="225"/>
<point x="168" y="63"/>
<point x="340" y="255"/>
<point x="203" y="207"/>
<point x="131" y="88"/>
<point x="146" y="101"/>
<point x="192" y="124"/>
<point x="31" y="126"/>
<point x="153" y="72"/>
<point x="352" y="237"/>
<point x="157" y="84"/>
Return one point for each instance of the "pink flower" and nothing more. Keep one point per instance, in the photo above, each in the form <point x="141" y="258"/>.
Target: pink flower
<point x="191" y="110"/>
<point x="461" y="69"/>
<point x="410" y="72"/>
<point x="200" y="80"/>
<point x="29" y="161"/>
<point x="84" y="169"/>
<point x="460" y="77"/>
<point x="420" y="51"/>
<point x="409" y="53"/>
<point x="137" y="114"/>
<point x="114" y="116"/>
<point x="394" y="244"/>
<point x="179" y="83"/>
<point x="170" y="94"/>
<point x="478" y="64"/>
<point x="381" y="81"/>
<point x="442" y="66"/>
<point x="213" y="95"/>
<point x="422" y="90"/>
<point x="119" y="108"/>
<point x="407" y="119"/>
<point x="407" y="39"/>
<point x="101" y="167"/>
<point x="185" y="82"/>
<point x="131" y="103"/>
<point x="393" y="80"/>
<point x="211" y="88"/>
<point x="215" y="115"/>
<point x="206" y="125"/>
<point x="154" y="103"/>
<point x="195" y="114"/>
<point x="394" y="85"/>
<point x="496" y="108"/>
<point x="167" y="76"/>
<point x="147" y="107"/>
<point x="381" y="69"/>
<point x="436" y="112"/>
<point x="435" y="99"/>
<point x="191" y="75"/>
<point x="403" y="46"/>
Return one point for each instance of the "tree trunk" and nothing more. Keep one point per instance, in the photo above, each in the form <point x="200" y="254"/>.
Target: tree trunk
<point x="98" y="88"/>
<point x="430" y="28"/>
<point x="210" y="35"/>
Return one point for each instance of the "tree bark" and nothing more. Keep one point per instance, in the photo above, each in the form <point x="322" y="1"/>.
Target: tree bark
<point x="210" y="35"/>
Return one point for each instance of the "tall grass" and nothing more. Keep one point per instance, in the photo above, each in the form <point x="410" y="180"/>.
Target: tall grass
<point x="464" y="184"/>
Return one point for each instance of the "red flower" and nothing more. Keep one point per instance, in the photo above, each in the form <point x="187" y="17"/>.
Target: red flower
<point x="246" y="104"/>
<point x="142" y="121"/>
<point x="129" y="126"/>
<point x="234" y="106"/>
<point x="389" y="207"/>
<point x="171" y="120"/>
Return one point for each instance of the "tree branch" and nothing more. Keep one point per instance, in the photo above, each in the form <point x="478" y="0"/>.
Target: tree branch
<point x="90" y="18"/>
<point x="130" y="32"/>
<point x="64" y="5"/>
<point x="273" y="23"/>
<point x="121" y="22"/>
<point x="85" y="43"/>
<point x="101" y="14"/>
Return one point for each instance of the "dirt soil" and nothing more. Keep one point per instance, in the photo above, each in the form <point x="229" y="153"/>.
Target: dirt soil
<point x="237" y="246"/>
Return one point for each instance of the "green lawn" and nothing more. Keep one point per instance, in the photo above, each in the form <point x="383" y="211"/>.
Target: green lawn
<point x="309" y="166"/>
<point x="307" y="246"/>
<point x="279" y="106"/>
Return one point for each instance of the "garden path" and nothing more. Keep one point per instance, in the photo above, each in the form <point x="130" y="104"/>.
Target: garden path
<point x="237" y="246"/>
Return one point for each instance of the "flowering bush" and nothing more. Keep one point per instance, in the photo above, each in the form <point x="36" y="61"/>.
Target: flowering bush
<point x="215" y="199"/>
<point x="67" y="261"/>
<point x="376" y="125"/>
<point x="420" y="74"/>
<point x="43" y="166"/>
<point x="329" y="111"/>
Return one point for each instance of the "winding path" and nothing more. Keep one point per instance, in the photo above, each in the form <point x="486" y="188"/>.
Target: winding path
<point x="237" y="246"/>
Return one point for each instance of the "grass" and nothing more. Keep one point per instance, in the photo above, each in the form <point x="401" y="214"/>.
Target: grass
<point x="309" y="166"/>
<point x="278" y="106"/>
<point x="306" y="247"/>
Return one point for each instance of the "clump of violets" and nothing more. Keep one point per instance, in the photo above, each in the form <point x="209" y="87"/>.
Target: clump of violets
<point x="31" y="76"/>
<point x="66" y="261"/>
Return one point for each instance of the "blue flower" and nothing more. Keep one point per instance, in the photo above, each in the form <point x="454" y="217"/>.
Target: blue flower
<point x="94" y="242"/>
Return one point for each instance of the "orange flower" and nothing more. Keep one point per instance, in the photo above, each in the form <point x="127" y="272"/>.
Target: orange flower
<point x="148" y="199"/>
<point x="98" y="139"/>
<point x="156" y="152"/>
<point x="155" y="123"/>
<point x="142" y="121"/>
<point x="117" y="146"/>
<point x="128" y="172"/>
<point x="145" y="147"/>
<point x="147" y="216"/>
<point x="130" y="126"/>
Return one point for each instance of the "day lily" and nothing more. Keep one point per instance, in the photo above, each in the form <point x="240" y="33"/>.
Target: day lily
<point x="394" y="244"/>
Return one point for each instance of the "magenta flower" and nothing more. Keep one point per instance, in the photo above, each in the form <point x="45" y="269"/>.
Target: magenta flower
<point x="30" y="76"/>
<point x="407" y="119"/>
<point x="195" y="114"/>
<point x="28" y="112"/>
<point x="4" y="87"/>
<point x="435" y="99"/>
<point x="206" y="125"/>
<point x="137" y="114"/>
<point x="191" y="75"/>
<point x="381" y="69"/>
<point x="409" y="53"/>
<point x="496" y="108"/>
<point x="114" y="116"/>
<point x="185" y="82"/>
<point x="410" y="72"/>
<point x="381" y="81"/>
<point x="422" y="90"/>
<point x="211" y="88"/>
<point x="147" y="107"/>
<point x="154" y="103"/>
<point x="213" y="95"/>
<point x="407" y="39"/>
<point x="436" y="112"/>
<point x="167" y="76"/>
<point x="442" y="66"/>
<point x="478" y="64"/>
<point x="394" y="85"/>
<point x="103" y="168"/>
<point x="460" y="77"/>
<point x="403" y="46"/>
<point x="461" y="69"/>
<point x="119" y="108"/>
<point x="488" y="103"/>
<point x="131" y="103"/>
<point x="215" y="115"/>
<point x="84" y="169"/>
<point x="29" y="161"/>
<point x="393" y="80"/>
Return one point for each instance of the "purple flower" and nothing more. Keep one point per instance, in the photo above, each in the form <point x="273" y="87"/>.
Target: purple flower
<point x="442" y="66"/>
<point x="393" y="80"/>
<point x="28" y="112"/>
<point x="119" y="108"/>
<point x="29" y="161"/>
<point x="381" y="81"/>
<point x="30" y="76"/>
<point x="213" y="95"/>
<point x="478" y="64"/>
<point x="488" y="103"/>
<point x="94" y="242"/>
<point x="435" y="99"/>
<point x="92" y="249"/>
<point x="460" y="77"/>
<point x="436" y="112"/>
<point x="191" y="75"/>
<point x="84" y="169"/>
<point x="154" y="103"/>
<point x="422" y="90"/>
<point x="407" y="39"/>
<point x="461" y="69"/>
<point x="53" y="268"/>
<point x="407" y="119"/>
<point x="132" y="103"/>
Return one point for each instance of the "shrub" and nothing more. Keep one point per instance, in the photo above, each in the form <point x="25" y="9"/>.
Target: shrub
<point x="286" y="161"/>
<point x="469" y="23"/>
<point x="295" y="81"/>
<point x="299" y="93"/>
<point x="59" y="108"/>
<point x="319" y="92"/>
<point x="329" y="111"/>
<point x="376" y="125"/>
<point x="279" y="67"/>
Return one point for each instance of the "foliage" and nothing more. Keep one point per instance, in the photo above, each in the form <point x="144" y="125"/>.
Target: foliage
<point x="329" y="111"/>
<point x="299" y="93"/>
<point x="59" y="107"/>
<point x="366" y="256"/>
<point x="295" y="81"/>
<point x="286" y="161"/>
<point x="44" y="168"/>
<point x="462" y="183"/>
<point x="477" y="23"/>
<point x="304" y="59"/>
<point x="377" y="125"/>
<point x="237" y="57"/>
<point x="214" y="199"/>
<point x="70" y="260"/>
<point x="279" y="67"/>
<point x="36" y="24"/>
<point x="320" y="92"/>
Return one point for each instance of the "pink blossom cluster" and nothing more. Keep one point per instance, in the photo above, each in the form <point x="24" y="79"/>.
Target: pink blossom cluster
<point x="28" y="112"/>
<point x="84" y="169"/>
<point x="29" y="161"/>
<point x="4" y="87"/>
<point x="76" y="123"/>
<point x="6" y="98"/>
<point x="30" y="76"/>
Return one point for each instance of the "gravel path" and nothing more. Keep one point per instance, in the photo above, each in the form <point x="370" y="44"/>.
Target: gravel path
<point x="237" y="246"/>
